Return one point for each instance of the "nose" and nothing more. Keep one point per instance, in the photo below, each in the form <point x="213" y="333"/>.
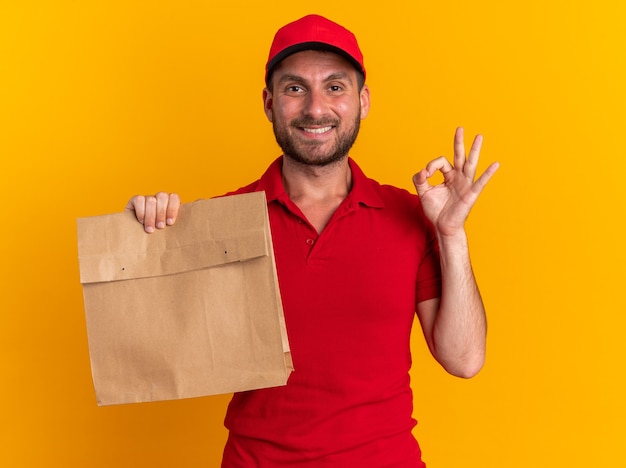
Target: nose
<point x="316" y="104"/>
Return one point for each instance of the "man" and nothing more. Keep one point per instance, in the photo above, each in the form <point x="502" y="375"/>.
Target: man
<point x="356" y="260"/>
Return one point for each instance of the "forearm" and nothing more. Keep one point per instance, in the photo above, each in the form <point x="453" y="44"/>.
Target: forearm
<point x="460" y="327"/>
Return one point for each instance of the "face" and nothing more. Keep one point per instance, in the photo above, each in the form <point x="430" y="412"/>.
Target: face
<point x="315" y="106"/>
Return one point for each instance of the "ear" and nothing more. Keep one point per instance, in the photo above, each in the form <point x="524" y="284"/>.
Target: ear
<point x="364" y="97"/>
<point x="268" y="103"/>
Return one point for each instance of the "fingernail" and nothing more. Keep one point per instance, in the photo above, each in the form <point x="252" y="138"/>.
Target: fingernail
<point x="160" y="225"/>
<point x="149" y="229"/>
<point x="170" y="221"/>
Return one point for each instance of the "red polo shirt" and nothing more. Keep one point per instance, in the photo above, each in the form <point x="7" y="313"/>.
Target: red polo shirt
<point x="349" y="297"/>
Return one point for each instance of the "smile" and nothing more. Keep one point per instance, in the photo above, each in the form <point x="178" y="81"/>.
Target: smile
<point x="318" y="131"/>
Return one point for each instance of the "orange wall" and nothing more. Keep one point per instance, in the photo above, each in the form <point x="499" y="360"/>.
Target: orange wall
<point x="102" y="100"/>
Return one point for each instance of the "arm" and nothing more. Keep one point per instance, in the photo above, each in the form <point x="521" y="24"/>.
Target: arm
<point x="454" y="326"/>
<point x="155" y="211"/>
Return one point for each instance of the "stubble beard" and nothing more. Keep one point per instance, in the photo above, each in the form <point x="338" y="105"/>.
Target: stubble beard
<point x="307" y="153"/>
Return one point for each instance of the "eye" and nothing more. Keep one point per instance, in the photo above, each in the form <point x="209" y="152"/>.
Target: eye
<point x="335" y="88"/>
<point x="295" y="89"/>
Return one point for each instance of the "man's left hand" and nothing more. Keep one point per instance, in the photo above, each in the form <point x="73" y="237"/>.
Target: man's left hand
<point x="448" y="204"/>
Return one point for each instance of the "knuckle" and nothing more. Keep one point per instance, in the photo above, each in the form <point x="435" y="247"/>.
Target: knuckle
<point x="162" y="196"/>
<point x="137" y="201"/>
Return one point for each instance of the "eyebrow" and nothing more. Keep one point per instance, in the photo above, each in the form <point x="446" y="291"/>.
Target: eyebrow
<point x="296" y="78"/>
<point x="300" y="79"/>
<point x="339" y="76"/>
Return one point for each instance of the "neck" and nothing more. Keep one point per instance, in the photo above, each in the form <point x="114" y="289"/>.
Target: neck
<point x="316" y="182"/>
<point x="317" y="191"/>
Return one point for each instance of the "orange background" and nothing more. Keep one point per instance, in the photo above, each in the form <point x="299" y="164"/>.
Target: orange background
<point x="102" y="100"/>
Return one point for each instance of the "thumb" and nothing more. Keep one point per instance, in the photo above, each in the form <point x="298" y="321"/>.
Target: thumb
<point x="420" y="180"/>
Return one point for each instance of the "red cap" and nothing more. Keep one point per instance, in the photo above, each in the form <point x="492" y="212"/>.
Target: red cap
<point x="313" y="32"/>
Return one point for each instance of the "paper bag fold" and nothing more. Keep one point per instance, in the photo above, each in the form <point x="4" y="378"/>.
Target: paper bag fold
<point x="190" y="310"/>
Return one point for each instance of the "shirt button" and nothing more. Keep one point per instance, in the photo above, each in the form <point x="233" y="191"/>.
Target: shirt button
<point x="310" y="241"/>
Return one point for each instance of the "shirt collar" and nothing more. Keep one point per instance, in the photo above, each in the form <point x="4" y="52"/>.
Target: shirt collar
<point x="364" y="190"/>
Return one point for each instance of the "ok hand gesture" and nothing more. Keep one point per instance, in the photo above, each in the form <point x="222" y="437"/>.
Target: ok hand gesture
<point x="448" y="204"/>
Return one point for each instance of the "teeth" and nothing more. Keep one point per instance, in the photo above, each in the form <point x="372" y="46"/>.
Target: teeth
<point x="318" y="130"/>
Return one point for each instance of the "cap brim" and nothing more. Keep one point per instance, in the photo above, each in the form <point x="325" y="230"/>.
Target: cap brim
<point x="283" y="54"/>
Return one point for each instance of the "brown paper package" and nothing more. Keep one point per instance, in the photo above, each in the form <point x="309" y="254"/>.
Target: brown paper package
<point x="188" y="311"/>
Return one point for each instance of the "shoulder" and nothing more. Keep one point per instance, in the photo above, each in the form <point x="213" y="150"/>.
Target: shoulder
<point x="397" y="194"/>
<point x="400" y="206"/>
<point x="270" y="182"/>
<point x="393" y="196"/>
<point x="373" y="193"/>
<point x="253" y="187"/>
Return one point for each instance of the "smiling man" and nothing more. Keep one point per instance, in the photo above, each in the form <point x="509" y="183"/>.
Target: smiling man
<point x="316" y="104"/>
<point x="356" y="262"/>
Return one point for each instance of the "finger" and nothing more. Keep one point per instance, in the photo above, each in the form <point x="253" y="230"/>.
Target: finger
<point x="149" y="220"/>
<point x="137" y="205"/>
<point x="485" y="177"/>
<point x="162" y="202"/>
<point x="459" y="149"/>
<point x="420" y="180"/>
<point x="472" y="158"/>
<point x="440" y="164"/>
<point x="172" y="209"/>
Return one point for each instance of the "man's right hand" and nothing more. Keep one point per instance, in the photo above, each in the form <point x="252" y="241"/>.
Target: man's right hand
<point x="155" y="211"/>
